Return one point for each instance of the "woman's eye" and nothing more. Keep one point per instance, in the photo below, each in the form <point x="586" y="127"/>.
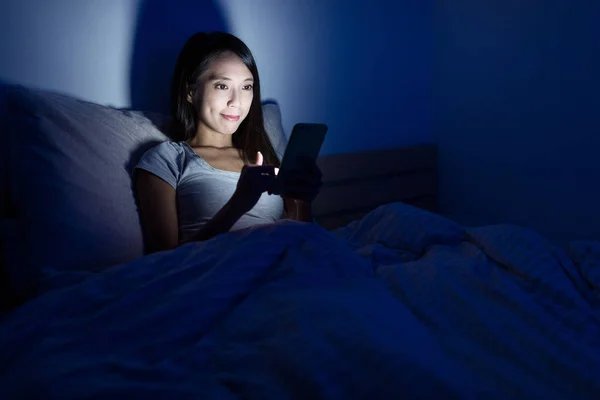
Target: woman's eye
<point x="247" y="87"/>
<point x="221" y="86"/>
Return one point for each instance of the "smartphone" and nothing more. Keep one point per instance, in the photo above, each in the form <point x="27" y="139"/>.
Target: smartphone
<point x="305" y="142"/>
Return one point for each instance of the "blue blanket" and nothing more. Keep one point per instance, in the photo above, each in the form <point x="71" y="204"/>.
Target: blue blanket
<point x="402" y="304"/>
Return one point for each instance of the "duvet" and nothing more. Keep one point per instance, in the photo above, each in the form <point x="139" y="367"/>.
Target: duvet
<point x="401" y="304"/>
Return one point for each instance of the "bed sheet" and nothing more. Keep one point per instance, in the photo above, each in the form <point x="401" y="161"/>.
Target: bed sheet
<point x="403" y="303"/>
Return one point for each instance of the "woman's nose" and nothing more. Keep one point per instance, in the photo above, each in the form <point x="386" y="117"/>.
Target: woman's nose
<point x="234" y="99"/>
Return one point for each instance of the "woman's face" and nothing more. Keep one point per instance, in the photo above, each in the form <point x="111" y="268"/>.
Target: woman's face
<point x="225" y="93"/>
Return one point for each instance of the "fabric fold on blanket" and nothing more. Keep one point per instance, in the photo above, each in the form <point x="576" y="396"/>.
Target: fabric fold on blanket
<point x="403" y="303"/>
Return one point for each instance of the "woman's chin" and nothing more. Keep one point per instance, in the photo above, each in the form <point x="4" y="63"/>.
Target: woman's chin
<point x="229" y="130"/>
<point x="226" y="128"/>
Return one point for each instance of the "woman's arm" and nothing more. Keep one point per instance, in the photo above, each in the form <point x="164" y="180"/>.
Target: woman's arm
<point x="289" y="205"/>
<point x="304" y="211"/>
<point x="298" y="210"/>
<point x="254" y="180"/>
<point x="223" y="220"/>
<point x="158" y="207"/>
<point x="158" y="211"/>
<point x="301" y="187"/>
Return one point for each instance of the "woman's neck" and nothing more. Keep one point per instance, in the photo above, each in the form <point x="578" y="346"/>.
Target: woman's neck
<point x="211" y="139"/>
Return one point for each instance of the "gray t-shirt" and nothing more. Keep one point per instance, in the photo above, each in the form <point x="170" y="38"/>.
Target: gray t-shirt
<point x="201" y="189"/>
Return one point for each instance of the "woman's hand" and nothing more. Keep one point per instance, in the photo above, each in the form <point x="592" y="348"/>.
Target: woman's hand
<point x="300" y="188"/>
<point x="304" y="182"/>
<point x="254" y="180"/>
<point x="297" y="210"/>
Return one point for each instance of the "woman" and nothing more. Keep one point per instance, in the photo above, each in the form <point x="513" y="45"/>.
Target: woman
<point x="216" y="173"/>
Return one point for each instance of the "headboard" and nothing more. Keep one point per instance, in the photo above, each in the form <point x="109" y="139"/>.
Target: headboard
<point x="356" y="183"/>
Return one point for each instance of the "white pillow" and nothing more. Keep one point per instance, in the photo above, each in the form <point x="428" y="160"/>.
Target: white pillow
<point x="70" y="169"/>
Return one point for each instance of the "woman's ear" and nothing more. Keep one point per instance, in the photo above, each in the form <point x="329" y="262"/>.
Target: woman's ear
<point x="190" y="93"/>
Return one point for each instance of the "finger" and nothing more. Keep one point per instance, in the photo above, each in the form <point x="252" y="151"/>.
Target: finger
<point x="259" y="158"/>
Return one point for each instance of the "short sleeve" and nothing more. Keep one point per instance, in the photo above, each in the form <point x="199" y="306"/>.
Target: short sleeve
<point x="164" y="161"/>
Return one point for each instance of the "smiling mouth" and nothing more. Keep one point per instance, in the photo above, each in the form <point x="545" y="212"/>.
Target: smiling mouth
<point x="231" y="117"/>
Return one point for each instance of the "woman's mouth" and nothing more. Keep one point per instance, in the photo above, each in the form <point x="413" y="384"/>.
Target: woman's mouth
<point x="231" y="117"/>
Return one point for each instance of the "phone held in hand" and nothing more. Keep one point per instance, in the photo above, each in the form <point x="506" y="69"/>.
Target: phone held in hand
<point x="305" y="142"/>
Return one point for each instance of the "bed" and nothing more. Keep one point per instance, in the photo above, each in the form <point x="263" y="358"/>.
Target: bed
<point x="384" y="298"/>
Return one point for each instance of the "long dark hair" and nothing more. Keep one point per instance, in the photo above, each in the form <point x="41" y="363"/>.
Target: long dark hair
<point x="194" y="59"/>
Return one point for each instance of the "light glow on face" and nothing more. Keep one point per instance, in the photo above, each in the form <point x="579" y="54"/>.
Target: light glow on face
<point x="225" y="95"/>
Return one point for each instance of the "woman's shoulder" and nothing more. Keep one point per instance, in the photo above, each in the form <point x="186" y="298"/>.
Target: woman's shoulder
<point x="168" y="152"/>
<point x="169" y="145"/>
<point x="167" y="149"/>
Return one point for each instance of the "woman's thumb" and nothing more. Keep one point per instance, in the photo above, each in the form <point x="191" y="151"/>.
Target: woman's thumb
<point x="259" y="158"/>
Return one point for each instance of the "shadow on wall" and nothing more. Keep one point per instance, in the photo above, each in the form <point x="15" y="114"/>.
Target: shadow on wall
<point x="162" y="30"/>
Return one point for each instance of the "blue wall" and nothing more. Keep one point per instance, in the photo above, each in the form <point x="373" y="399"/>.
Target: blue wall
<point x="77" y="47"/>
<point x="365" y="69"/>
<point x="518" y="114"/>
<point x="508" y="89"/>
